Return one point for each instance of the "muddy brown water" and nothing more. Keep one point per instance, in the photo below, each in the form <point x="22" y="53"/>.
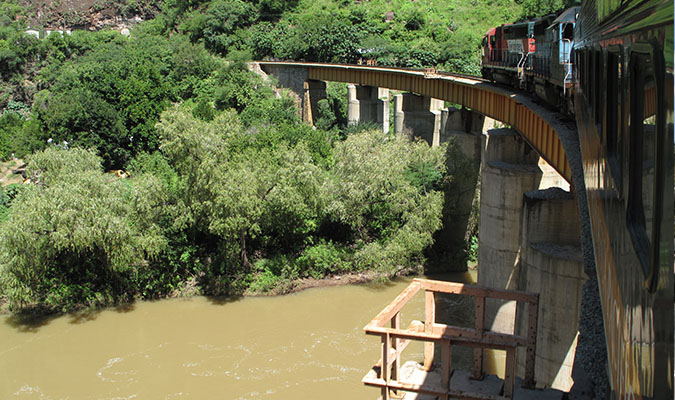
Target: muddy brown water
<point x="306" y="345"/>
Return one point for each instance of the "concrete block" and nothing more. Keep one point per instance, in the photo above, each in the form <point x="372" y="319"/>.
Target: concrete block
<point x="490" y="385"/>
<point x="551" y="178"/>
<point x="368" y="104"/>
<point x="551" y="215"/>
<point x="507" y="146"/>
<point x="418" y="117"/>
<point x="521" y="393"/>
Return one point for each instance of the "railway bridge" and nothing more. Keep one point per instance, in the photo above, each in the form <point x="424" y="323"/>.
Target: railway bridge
<point x="530" y="230"/>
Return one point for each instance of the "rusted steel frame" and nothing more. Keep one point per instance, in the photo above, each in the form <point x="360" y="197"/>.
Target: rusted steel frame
<point x="490" y="340"/>
<point x="385" y="371"/>
<point x="415" y="326"/>
<point x="446" y="365"/>
<point x="405" y="334"/>
<point x="510" y="372"/>
<point x="535" y="130"/>
<point x="531" y="349"/>
<point x="429" y="320"/>
<point x="396" y="347"/>
<point x="471" y="290"/>
<point x="541" y="136"/>
<point x="428" y="389"/>
<point x="479" y="326"/>
<point x="394" y="307"/>
<point x="469" y="336"/>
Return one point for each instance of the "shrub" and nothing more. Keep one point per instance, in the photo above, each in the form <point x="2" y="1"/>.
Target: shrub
<point x="325" y="258"/>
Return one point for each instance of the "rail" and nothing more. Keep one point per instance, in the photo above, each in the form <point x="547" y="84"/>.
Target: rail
<point x="386" y="372"/>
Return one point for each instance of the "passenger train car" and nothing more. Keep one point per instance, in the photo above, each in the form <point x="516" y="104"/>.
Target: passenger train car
<point x="616" y="74"/>
<point x="623" y="95"/>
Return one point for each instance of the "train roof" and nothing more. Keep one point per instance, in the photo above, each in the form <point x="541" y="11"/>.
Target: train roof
<point x="569" y="15"/>
<point x="490" y="31"/>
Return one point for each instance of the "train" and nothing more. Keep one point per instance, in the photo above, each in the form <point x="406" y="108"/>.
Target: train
<point x="609" y="65"/>
<point x="535" y="56"/>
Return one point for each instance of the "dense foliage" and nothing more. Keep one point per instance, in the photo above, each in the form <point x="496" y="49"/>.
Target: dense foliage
<point x="218" y="206"/>
<point x="225" y="190"/>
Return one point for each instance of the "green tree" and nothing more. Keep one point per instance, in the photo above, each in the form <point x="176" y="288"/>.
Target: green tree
<point x="82" y="118"/>
<point x="77" y="237"/>
<point x="220" y="21"/>
<point x="239" y="192"/>
<point x="393" y="216"/>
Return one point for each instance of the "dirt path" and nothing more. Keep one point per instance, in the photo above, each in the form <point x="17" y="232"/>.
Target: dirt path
<point x="7" y="176"/>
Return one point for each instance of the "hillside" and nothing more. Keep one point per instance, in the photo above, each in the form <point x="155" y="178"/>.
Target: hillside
<point x="88" y="14"/>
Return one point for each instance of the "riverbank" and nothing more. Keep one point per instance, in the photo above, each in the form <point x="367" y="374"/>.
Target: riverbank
<point x="190" y="288"/>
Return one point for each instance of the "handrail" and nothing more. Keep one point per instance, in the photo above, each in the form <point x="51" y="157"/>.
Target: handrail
<point x="386" y="372"/>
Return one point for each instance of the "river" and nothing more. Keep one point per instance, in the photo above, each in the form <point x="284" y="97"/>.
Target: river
<point x="306" y="345"/>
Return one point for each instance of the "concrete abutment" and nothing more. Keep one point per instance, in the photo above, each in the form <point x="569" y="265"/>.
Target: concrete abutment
<point x="368" y="104"/>
<point x="530" y="241"/>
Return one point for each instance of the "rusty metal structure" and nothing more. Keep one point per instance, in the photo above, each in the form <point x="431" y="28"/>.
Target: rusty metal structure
<point x="538" y="126"/>
<point x="386" y="373"/>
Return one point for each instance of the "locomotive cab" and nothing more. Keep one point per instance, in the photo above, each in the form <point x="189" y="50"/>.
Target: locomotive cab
<point x="506" y="51"/>
<point x="552" y="73"/>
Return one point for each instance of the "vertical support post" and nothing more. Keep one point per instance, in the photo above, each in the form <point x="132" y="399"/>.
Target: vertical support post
<point x="353" y="106"/>
<point x="446" y="365"/>
<point x="399" y="116"/>
<point x="429" y="319"/>
<point x="306" y="104"/>
<point x="479" y="326"/>
<point x="436" y="134"/>
<point x="396" y="324"/>
<point x="383" y="109"/>
<point x="510" y="372"/>
<point x="532" y="321"/>
<point x="386" y="368"/>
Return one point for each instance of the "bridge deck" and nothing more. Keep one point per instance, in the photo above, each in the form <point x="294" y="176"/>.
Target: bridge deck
<point x="543" y="129"/>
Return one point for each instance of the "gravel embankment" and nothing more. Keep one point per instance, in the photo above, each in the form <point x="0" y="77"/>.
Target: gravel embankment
<point x="591" y="356"/>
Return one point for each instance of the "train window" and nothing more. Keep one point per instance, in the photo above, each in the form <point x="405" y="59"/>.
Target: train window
<point x="614" y="117"/>
<point x="520" y="32"/>
<point x="582" y="70"/>
<point x="642" y="161"/>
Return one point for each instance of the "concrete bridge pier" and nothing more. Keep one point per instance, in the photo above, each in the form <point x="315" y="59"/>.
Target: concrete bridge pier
<point x="305" y="92"/>
<point x="530" y="241"/>
<point x="509" y="169"/>
<point x="454" y="120"/>
<point x="552" y="265"/>
<point x="312" y="92"/>
<point x="368" y="104"/>
<point x="463" y="163"/>
<point x="418" y="116"/>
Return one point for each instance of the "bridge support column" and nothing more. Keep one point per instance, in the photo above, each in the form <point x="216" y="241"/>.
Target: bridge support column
<point x="454" y="121"/>
<point x="509" y="170"/>
<point x="464" y="155"/>
<point x="530" y="240"/>
<point x="368" y="104"/>
<point x="312" y="92"/>
<point x="552" y="265"/>
<point x="418" y="116"/>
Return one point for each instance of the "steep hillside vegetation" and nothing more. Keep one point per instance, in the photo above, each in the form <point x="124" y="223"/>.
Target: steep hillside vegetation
<point x="225" y="190"/>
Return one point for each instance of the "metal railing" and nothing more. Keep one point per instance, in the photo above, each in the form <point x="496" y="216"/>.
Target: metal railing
<point x="386" y="373"/>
